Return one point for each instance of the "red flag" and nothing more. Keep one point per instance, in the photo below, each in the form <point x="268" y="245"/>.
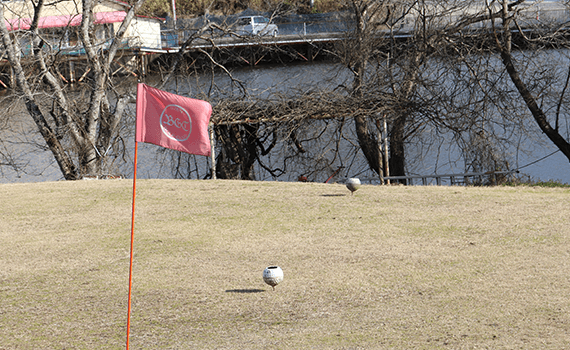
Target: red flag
<point x="173" y="121"/>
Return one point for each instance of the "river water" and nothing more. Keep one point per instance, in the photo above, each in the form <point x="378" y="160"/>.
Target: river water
<point x="537" y="161"/>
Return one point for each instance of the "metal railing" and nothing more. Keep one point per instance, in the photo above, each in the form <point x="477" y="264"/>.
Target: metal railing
<point x="453" y="179"/>
<point x="539" y="15"/>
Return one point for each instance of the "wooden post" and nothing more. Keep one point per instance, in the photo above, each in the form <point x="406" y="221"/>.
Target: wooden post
<point x="380" y="154"/>
<point x="71" y="71"/>
<point x="213" y="155"/>
<point x="173" y="3"/>
<point x="386" y="165"/>
<point x="144" y="67"/>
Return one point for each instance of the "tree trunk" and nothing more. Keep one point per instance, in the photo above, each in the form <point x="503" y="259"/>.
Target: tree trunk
<point x="529" y="99"/>
<point x="368" y="143"/>
<point x="533" y="107"/>
<point x="397" y="160"/>
<point x="367" y="140"/>
<point x="249" y="152"/>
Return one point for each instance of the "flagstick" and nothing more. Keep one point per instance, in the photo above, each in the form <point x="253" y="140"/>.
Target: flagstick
<point x="132" y="243"/>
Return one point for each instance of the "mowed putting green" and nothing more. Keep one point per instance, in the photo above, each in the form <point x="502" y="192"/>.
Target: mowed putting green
<point x="388" y="267"/>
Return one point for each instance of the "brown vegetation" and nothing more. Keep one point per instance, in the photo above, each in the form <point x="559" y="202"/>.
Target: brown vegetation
<point x="397" y="267"/>
<point x="189" y="9"/>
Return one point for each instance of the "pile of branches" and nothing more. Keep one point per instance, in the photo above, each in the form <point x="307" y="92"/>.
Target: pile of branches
<point x="310" y="106"/>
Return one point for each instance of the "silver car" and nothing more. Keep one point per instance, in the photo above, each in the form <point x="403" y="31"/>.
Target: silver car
<point x="256" y="25"/>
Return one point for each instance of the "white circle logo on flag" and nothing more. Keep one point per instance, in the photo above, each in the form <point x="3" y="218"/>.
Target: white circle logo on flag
<point x="176" y="123"/>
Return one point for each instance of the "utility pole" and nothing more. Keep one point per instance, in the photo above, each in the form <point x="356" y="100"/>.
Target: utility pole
<point x="174" y="12"/>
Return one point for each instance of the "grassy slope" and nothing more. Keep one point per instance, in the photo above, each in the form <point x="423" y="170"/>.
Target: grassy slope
<point x="400" y="267"/>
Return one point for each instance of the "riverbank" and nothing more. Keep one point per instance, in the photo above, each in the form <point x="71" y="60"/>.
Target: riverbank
<point x="388" y="267"/>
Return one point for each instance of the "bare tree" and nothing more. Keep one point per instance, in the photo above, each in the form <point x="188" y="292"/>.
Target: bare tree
<point x="428" y="68"/>
<point x="431" y="68"/>
<point x="392" y="69"/>
<point x="414" y="59"/>
<point x="78" y="128"/>
<point x="510" y="20"/>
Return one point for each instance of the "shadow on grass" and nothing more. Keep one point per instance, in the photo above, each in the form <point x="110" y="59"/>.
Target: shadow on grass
<point x="333" y="195"/>
<point x="245" y="290"/>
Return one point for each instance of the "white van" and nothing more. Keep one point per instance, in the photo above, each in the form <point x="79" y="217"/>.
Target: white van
<point x="256" y="25"/>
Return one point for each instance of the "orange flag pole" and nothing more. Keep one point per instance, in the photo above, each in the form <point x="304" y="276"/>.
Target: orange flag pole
<point x="132" y="244"/>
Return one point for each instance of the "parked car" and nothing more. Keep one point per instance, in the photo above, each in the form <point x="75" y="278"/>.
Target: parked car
<point x="256" y="25"/>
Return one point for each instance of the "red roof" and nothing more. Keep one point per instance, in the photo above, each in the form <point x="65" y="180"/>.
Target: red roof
<point x="65" y="21"/>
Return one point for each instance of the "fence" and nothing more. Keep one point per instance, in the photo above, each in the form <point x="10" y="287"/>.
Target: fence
<point x="453" y="179"/>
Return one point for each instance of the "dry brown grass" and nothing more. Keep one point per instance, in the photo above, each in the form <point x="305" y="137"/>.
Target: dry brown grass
<point x="388" y="267"/>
